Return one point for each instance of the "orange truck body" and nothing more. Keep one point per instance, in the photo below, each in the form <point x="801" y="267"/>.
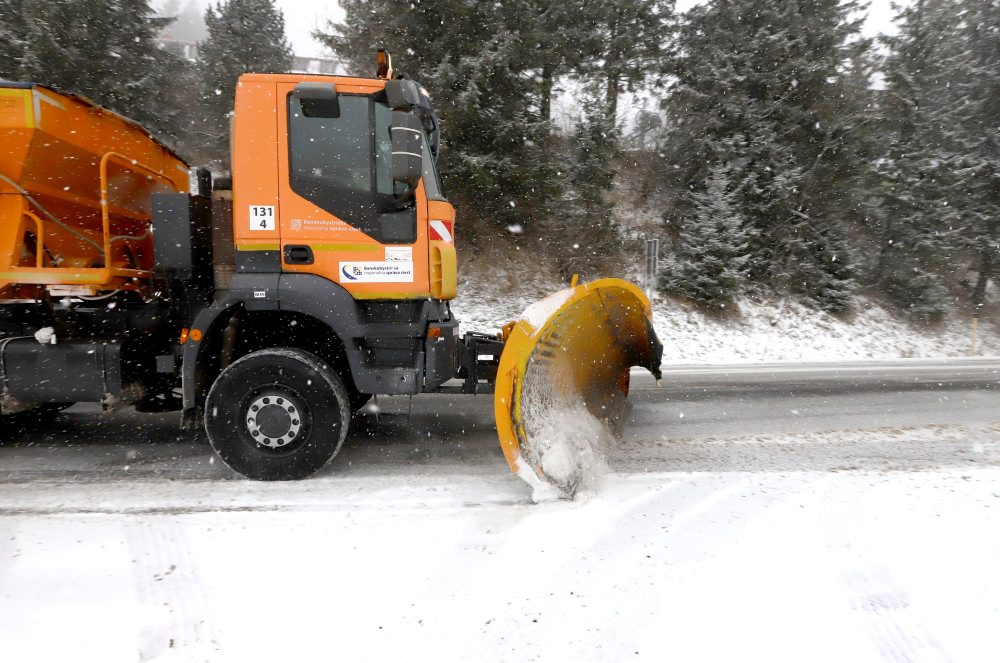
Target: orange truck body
<point x="261" y="180"/>
<point x="75" y="187"/>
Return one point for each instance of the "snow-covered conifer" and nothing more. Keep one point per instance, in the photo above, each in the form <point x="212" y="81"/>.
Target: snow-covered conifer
<point x="243" y="36"/>
<point x="772" y="89"/>
<point x="971" y="128"/>
<point x="914" y="231"/>
<point x="104" y="50"/>
<point x="499" y="164"/>
<point x="632" y="36"/>
<point x="710" y="256"/>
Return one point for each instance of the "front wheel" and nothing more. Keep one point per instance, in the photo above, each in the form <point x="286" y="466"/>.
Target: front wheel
<point x="358" y="400"/>
<point x="277" y="414"/>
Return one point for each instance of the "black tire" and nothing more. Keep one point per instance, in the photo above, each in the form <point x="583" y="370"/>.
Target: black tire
<point x="30" y="419"/>
<point x="12" y="425"/>
<point x="52" y="408"/>
<point x="277" y="392"/>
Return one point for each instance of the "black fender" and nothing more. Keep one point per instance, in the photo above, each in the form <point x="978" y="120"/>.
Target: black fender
<point x="333" y="306"/>
<point x="252" y="292"/>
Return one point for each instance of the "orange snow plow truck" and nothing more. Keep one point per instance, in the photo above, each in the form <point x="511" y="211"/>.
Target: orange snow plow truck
<point x="272" y="308"/>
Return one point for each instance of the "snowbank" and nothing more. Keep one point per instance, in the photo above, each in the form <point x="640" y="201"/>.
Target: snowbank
<point x="784" y="331"/>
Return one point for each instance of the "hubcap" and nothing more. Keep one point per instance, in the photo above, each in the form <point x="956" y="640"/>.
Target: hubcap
<point x="274" y="420"/>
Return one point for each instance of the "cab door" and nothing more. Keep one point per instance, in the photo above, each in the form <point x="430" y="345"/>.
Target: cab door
<point x="339" y="218"/>
<point x="255" y="179"/>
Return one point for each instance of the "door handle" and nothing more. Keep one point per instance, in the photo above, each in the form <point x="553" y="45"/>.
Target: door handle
<point x="298" y="254"/>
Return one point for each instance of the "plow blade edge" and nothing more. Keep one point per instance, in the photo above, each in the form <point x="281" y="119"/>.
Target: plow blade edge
<point x="563" y="380"/>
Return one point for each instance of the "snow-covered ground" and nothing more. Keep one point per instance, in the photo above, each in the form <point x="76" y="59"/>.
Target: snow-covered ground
<point x="792" y="332"/>
<point x="856" y="527"/>
<point x="708" y="566"/>
<point x="760" y="332"/>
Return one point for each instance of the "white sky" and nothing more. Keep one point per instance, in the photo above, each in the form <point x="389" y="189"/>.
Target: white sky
<point x="301" y="18"/>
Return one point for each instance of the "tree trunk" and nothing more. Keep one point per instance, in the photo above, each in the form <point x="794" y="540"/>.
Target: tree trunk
<point x="612" y="75"/>
<point x="612" y="98"/>
<point x="985" y="273"/>
<point x="545" y="103"/>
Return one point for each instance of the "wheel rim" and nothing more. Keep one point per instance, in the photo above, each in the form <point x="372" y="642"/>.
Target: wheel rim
<point x="275" y="419"/>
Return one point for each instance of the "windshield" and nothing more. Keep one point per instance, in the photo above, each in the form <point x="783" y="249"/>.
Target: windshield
<point x="432" y="185"/>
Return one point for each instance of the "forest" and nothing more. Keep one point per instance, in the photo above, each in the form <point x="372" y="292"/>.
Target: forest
<point x="773" y="148"/>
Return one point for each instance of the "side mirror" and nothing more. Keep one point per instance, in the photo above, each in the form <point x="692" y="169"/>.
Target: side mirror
<point x="402" y="94"/>
<point x="318" y="99"/>
<point x="407" y="151"/>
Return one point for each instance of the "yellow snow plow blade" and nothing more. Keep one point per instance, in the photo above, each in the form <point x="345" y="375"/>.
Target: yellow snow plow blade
<point x="563" y="379"/>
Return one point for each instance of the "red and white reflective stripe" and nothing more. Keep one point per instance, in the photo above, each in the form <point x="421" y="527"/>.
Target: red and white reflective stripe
<point x="441" y="230"/>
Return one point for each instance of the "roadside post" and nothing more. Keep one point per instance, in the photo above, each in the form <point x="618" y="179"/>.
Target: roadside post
<point x="652" y="266"/>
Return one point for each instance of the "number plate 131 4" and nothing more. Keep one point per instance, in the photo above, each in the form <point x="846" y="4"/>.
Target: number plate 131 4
<point x="262" y="217"/>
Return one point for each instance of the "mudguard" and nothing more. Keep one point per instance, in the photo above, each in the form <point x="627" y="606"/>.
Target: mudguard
<point x="563" y="380"/>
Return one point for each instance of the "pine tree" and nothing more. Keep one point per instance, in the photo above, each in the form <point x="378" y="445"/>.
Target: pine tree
<point x="243" y="36"/>
<point x="497" y="157"/>
<point x="592" y="176"/>
<point x="472" y="57"/>
<point x="646" y="132"/>
<point x="711" y="255"/>
<point x="421" y="34"/>
<point x="12" y="34"/>
<point x="773" y="90"/>
<point x="104" y="50"/>
<point x="583" y="228"/>
<point x="632" y="37"/>
<point x="555" y="42"/>
<point x="942" y="200"/>
<point x="914" y="230"/>
<point x="971" y="140"/>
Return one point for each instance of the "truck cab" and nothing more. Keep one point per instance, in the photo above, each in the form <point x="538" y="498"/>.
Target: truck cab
<point x="343" y="249"/>
<point x="314" y="190"/>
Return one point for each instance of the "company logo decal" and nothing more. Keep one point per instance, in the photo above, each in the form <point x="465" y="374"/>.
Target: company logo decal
<point x="384" y="271"/>
<point x="351" y="272"/>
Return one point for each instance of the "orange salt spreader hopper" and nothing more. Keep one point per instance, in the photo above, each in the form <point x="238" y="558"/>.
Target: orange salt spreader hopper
<point x="75" y="187"/>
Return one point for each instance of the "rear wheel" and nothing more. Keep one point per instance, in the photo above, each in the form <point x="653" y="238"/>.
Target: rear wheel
<point x="277" y="414"/>
<point x="28" y="419"/>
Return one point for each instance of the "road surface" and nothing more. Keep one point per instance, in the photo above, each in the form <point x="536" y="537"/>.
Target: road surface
<point x="780" y="513"/>
<point x="669" y="426"/>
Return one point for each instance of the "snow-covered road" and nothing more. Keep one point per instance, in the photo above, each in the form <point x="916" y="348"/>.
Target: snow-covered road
<point x="735" y="525"/>
<point x="790" y="566"/>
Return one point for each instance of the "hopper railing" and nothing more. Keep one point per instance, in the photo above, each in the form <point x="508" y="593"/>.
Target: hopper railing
<point x="40" y="235"/>
<point x="104" y="277"/>
<point x="130" y="164"/>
